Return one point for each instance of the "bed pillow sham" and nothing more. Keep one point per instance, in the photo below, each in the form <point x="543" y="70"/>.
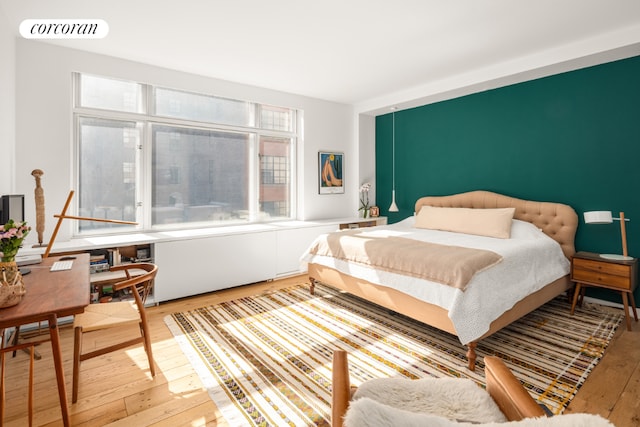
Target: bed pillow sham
<point x="481" y="222"/>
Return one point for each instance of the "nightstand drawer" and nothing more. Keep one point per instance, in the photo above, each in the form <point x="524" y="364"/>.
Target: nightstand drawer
<point x="601" y="278"/>
<point x="602" y="267"/>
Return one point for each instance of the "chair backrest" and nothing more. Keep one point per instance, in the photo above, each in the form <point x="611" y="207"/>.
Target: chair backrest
<point x="506" y="390"/>
<point x="141" y="284"/>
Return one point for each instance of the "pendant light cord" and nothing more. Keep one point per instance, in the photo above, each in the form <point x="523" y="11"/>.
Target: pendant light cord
<point x="393" y="207"/>
<point x="393" y="152"/>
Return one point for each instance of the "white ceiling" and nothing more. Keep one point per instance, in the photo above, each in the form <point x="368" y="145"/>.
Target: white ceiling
<point x="369" y="53"/>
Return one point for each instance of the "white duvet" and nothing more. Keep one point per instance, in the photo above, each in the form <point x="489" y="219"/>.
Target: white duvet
<point x="531" y="260"/>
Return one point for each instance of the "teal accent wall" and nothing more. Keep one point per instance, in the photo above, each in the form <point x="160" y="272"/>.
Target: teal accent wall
<point x="572" y="138"/>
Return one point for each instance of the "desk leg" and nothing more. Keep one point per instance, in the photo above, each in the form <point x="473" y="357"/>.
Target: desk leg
<point x="57" y="362"/>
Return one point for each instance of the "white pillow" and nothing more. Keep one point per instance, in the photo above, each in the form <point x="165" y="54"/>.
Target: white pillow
<point x="481" y="222"/>
<point x="525" y="230"/>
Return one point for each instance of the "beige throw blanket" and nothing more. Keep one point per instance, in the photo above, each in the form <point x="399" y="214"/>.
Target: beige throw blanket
<point x="450" y="265"/>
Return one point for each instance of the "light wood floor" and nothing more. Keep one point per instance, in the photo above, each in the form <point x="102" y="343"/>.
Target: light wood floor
<point x="117" y="390"/>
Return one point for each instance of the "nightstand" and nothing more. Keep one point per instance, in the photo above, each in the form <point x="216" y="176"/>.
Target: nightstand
<point x="363" y="222"/>
<point x="589" y="269"/>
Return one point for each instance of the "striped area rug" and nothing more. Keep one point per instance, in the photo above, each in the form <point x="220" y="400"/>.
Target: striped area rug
<point x="266" y="360"/>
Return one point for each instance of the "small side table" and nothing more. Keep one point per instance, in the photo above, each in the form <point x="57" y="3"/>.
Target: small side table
<point x="363" y="222"/>
<point x="589" y="269"/>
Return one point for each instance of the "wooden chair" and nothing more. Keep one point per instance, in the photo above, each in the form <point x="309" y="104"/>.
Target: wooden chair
<point x="30" y="346"/>
<point x="98" y="317"/>
<point x="511" y="397"/>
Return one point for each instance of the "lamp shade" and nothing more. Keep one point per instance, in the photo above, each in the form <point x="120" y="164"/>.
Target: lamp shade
<point x="605" y="217"/>
<point x="598" y="217"/>
<point x="393" y="207"/>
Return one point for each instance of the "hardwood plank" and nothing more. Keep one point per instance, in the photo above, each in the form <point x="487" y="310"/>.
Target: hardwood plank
<point x="182" y="387"/>
<point x="171" y="407"/>
<point x="611" y="390"/>
<point x="604" y="387"/>
<point x="202" y="415"/>
<point x="626" y="411"/>
<point x="100" y="415"/>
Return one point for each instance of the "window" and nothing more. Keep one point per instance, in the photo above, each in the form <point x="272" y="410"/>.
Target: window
<point x="191" y="160"/>
<point x="109" y="94"/>
<point x="275" y="176"/>
<point x="200" y="175"/>
<point x="107" y="159"/>
<point x="203" y="108"/>
<point x="276" y="118"/>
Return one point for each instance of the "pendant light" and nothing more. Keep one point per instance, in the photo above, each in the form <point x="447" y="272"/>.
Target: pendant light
<point x="393" y="207"/>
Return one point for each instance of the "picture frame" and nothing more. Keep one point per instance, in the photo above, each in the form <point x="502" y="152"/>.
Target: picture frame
<point x="330" y="172"/>
<point x="374" y="211"/>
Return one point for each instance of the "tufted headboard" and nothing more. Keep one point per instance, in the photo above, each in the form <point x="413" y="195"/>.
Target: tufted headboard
<point x="556" y="220"/>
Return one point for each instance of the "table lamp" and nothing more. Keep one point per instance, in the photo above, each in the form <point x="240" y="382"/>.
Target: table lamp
<point x="605" y="217"/>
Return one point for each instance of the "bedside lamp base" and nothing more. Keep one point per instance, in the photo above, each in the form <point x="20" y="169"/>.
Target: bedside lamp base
<point x="616" y="257"/>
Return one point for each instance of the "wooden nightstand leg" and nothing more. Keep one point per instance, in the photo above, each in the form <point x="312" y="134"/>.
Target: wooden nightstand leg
<point x="576" y="293"/>
<point x="633" y="306"/>
<point x="625" y="302"/>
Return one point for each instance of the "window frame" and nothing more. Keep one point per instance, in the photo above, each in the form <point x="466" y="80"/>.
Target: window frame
<point x="146" y="119"/>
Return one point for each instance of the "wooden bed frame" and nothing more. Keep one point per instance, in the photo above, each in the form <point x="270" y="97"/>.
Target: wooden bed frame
<point x="506" y="390"/>
<point x="557" y="220"/>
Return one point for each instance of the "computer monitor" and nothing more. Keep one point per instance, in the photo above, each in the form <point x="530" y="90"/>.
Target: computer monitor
<point x="12" y="207"/>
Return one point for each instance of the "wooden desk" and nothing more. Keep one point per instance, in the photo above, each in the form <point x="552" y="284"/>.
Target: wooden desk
<point x="51" y="295"/>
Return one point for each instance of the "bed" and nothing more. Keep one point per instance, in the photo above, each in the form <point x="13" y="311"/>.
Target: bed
<point x="470" y="312"/>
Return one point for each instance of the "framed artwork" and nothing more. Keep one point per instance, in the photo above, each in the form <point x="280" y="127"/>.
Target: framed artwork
<point x="330" y="172"/>
<point x="374" y="212"/>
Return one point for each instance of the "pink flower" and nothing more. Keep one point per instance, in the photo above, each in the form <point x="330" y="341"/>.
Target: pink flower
<point x="11" y="237"/>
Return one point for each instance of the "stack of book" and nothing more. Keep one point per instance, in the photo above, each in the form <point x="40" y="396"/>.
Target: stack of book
<point x="98" y="262"/>
<point x="114" y="257"/>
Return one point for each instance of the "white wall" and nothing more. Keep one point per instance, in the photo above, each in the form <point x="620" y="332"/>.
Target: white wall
<point x="7" y="105"/>
<point x="44" y="126"/>
<point x="367" y="153"/>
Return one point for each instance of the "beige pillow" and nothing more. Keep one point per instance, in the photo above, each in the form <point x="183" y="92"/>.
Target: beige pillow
<point x="481" y="222"/>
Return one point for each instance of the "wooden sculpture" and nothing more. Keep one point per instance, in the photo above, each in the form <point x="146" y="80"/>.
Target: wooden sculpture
<point x="39" y="196"/>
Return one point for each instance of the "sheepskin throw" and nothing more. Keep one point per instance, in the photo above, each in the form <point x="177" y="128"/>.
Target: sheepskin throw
<point x="367" y="412"/>
<point x="454" y="398"/>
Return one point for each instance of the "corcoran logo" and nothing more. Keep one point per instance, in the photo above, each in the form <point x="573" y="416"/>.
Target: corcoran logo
<point x="64" y="29"/>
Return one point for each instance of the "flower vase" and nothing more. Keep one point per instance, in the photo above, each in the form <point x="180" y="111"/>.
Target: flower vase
<point x="12" y="287"/>
<point x="365" y="213"/>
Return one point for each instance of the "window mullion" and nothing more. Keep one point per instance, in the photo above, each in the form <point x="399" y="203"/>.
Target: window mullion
<point x="254" y="177"/>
